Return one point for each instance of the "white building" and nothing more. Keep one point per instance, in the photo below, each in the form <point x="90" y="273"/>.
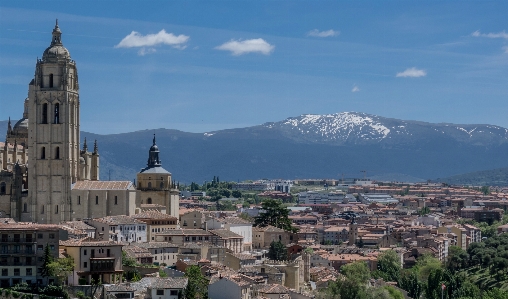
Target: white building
<point x="236" y="225"/>
<point x="120" y="229"/>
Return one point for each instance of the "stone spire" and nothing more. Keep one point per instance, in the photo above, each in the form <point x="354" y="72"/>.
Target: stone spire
<point x="153" y="155"/>
<point x="85" y="147"/>
<point x="9" y="127"/>
<point x="57" y="35"/>
<point x="95" y="148"/>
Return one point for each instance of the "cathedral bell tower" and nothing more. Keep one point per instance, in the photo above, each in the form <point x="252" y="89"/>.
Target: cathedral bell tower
<point x="53" y="133"/>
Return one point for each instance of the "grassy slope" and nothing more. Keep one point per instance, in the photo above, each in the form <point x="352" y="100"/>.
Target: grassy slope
<point x="493" y="177"/>
<point x="485" y="280"/>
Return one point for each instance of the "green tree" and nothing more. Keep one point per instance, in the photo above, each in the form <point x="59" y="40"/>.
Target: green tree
<point x="424" y="211"/>
<point x="47" y="260"/>
<point x="275" y="214"/>
<point x="61" y="268"/>
<point x="277" y="251"/>
<point x="162" y="273"/>
<point x="409" y="282"/>
<point x="358" y="272"/>
<point x="425" y="264"/>
<point x="127" y="261"/>
<point x="197" y="287"/>
<point x="236" y="194"/>
<point x="388" y="263"/>
<point x="457" y="258"/>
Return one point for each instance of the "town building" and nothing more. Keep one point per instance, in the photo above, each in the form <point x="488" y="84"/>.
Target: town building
<point x="94" y="261"/>
<point x="22" y="247"/>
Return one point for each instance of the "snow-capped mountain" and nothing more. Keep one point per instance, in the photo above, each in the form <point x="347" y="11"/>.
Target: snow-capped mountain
<point x="311" y="146"/>
<point x="362" y="128"/>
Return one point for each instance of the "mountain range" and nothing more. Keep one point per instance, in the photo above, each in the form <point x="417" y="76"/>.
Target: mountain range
<point x="311" y="146"/>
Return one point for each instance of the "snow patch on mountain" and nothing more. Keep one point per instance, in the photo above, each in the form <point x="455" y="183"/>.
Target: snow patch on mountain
<point x="338" y="126"/>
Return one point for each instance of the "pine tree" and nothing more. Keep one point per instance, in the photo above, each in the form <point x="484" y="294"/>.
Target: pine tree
<point x="47" y="260"/>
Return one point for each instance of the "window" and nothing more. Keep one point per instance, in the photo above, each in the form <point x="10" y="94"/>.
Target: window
<point x="39" y="247"/>
<point x="25" y="207"/>
<point x="116" y="200"/>
<point x="5" y="272"/>
<point x="2" y="188"/>
<point x="51" y="236"/>
<point x="160" y="292"/>
<point x="79" y="200"/>
<point x="56" y="114"/>
<point x="162" y="185"/>
<point x="85" y="252"/>
<point x="103" y="228"/>
<point x="42" y="209"/>
<point x="108" y="252"/>
<point x="173" y="292"/>
<point x="17" y="272"/>
<point x="52" y="247"/>
<point x="43" y="153"/>
<point x="39" y="236"/>
<point x="149" y="200"/>
<point x="85" y="264"/>
<point x="28" y="271"/>
<point x="96" y="200"/>
<point x="149" y="185"/>
<point x="50" y="80"/>
<point x="56" y="209"/>
<point x="45" y="113"/>
<point x="57" y="153"/>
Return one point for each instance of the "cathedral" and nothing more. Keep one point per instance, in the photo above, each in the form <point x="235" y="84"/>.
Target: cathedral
<point x="46" y="177"/>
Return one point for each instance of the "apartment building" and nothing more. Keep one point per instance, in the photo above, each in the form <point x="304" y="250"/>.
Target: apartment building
<point x="157" y="222"/>
<point x="119" y="229"/>
<point x="22" y="250"/>
<point x="94" y="260"/>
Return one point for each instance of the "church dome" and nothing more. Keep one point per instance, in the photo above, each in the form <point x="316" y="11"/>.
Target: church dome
<point x="56" y="50"/>
<point x="21" y="127"/>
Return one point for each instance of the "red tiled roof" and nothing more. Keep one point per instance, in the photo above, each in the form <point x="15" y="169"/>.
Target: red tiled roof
<point x="102" y="185"/>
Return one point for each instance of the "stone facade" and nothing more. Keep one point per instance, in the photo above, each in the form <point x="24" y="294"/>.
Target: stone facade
<point x="62" y="182"/>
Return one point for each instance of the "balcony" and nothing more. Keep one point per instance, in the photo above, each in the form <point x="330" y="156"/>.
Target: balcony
<point x="18" y="251"/>
<point x="17" y="240"/>
<point x="105" y="264"/>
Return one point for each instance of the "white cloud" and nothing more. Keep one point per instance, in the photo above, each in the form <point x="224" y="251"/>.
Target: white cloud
<point x="239" y="47"/>
<point x="501" y="34"/>
<point x="412" y="72"/>
<point x="326" y="33"/>
<point x="135" y="39"/>
<point x="355" y="89"/>
<point x="143" y="51"/>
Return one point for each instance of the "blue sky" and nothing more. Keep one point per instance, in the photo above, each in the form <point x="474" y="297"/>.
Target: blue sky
<point x="200" y="66"/>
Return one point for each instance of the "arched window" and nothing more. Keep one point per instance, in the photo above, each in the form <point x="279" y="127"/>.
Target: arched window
<point x="57" y="153"/>
<point x="56" y="209"/>
<point x="45" y="113"/>
<point x="3" y="188"/>
<point x="149" y="185"/>
<point x="50" y="80"/>
<point x="42" y="209"/>
<point x="162" y="185"/>
<point x="116" y="200"/>
<point x="56" y="119"/>
<point x="149" y="201"/>
<point x="24" y="207"/>
<point x="43" y="153"/>
<point x="96" y="200"/>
